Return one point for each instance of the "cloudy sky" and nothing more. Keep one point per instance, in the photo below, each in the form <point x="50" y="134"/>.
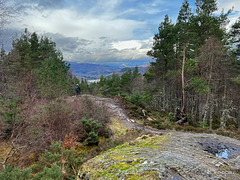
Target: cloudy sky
<point x="103" y="31"/>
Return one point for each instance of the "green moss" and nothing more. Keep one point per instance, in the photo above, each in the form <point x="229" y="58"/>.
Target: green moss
<point x="150" y="142"/>
<point x="134" y="177"/>
<point x="120" y="132"/>
<point x="123" y="159"/>
<point x="107" y="174"/>
<point x="122" y="166"/>
<point x="225" y="168"/>
<point x="150" y="175"/>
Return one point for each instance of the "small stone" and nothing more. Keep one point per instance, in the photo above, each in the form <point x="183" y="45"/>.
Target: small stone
<point x="149" y="119"/>
<point x="218" y="164"/>
<point x="145" y="162"/>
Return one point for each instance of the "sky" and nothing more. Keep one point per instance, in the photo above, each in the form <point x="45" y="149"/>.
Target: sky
<point x="103" y="31"/>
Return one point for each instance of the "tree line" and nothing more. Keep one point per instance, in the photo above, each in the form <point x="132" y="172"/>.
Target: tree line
<point x="196" y="65"/>
<point x="33" y="70"/>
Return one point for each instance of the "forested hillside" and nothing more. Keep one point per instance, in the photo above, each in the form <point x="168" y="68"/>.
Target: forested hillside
<point x="193" y="84"/>
<point x="195" y="70"/>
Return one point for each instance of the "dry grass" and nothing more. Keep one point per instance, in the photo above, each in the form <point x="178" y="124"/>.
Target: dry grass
<point x="116" y="125"/>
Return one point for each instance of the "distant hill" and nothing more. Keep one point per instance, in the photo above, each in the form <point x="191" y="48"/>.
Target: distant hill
<point x="91" y="71"/>
<point x="94" y="71"/>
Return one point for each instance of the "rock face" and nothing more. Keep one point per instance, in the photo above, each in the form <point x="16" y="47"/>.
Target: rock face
<point x="174" y="156"/>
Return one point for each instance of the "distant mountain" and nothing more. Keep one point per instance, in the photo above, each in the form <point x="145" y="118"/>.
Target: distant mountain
<point x="91" y="71"/>
<point x="94" y="71"/>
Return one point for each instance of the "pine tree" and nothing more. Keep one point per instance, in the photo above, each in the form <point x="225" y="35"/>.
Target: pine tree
<point x="12" y="173"/>
<point x="52" y="76"/>
<point x="206" y="24"/>
<point x="135" y="73"/>
<point x="163" y="48"/>
<point x="3" y="53"/>
<point x="116" y="85"/>
<point x="58" y="163"/>
<point x="126" y="80"/>
<point x="183" y="23"/>
<point x="235" y="37"/>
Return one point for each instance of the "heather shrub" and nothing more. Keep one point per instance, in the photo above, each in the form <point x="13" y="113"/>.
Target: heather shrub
<point x="51" y="123"/>
<point x="90" y="117"/>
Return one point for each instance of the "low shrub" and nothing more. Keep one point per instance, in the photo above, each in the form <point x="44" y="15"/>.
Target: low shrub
<point x="52" y="172"/>
<point x="58" y="163"/>
<point x="93" y="138"/>
<point x="12" y="173"/>
<point x="136" y="99"/>
<point x="51" y="123"/>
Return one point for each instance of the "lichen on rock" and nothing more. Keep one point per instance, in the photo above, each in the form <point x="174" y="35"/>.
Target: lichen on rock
<point x="169" y="156"/>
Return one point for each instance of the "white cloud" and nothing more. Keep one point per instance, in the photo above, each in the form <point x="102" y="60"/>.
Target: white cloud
<point x="120" y="45"/>
<point x="71" y="24"/>
<point x="120" y="50"/>
<point x="225" y="5"/>
<point x="106" y="33"/>
<point x="100" y="30"/>
<point x="228" y="4"/>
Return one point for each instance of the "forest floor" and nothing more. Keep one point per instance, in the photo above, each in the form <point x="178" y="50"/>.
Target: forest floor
<point x="166" y="154"/>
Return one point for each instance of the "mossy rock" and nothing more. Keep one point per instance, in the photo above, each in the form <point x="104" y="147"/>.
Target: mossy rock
<point x="175" y="155"/>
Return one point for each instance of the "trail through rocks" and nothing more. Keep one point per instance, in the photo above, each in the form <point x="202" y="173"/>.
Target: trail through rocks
<point x="115" y="110"/>
<point x="191" y="155"/>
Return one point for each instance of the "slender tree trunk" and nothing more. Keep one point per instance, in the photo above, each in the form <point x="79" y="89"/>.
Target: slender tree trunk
<point x="176" y="82"/>
<point x="238" y="120"/>
<point x="211" y="112"/>
<point x="183" y="80"/>
<point x="180" y="116"/>
<point x="223" y="118"/>
<point x="205" y="112"/>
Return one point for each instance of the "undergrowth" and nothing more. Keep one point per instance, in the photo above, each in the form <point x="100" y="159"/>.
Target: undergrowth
<point x="165" y="120"/>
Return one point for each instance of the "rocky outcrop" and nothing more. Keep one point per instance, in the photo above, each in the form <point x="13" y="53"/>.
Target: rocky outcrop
<point x="170" y="156"/>
<point x="165" y="155"/>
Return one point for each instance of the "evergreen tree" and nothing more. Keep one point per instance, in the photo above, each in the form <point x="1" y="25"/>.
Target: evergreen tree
<point x="163" y="48"/>
<point x="116" y="85"/>
<point x="35" y="51"/>
<point x="126" y="80"/>
<point x="3" y="53"/>
<point x="58" y="162"/>
<point x="164" y="54"/>
<point x="12" y="173"/>
<point x="52" y="76"/>
<point x="84" y="86"/>
<point x="205" y="24"/>
<point x="193" y="43"/>
<point x="135" y="73"/>
<point x="235" y="37"/>
<point x="183" y="22"/>
<point x="2" y="75"/>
